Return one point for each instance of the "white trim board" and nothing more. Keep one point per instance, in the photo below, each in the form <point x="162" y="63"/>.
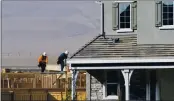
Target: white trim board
<point x="128" y="60"/>
<point x="123" y="67"/>
<point x="167" y="27"/>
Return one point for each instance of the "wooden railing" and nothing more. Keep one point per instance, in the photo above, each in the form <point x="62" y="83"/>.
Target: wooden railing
<point x="36" y="80"/>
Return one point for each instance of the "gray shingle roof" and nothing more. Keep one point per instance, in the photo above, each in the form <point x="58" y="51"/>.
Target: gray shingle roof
<point x="127" y="46"/>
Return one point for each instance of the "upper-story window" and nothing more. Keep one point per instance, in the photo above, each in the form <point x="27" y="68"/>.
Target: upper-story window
<point x="124" y="16"/>
<point x="164" y="14"/>
<point x="167" y="11"/>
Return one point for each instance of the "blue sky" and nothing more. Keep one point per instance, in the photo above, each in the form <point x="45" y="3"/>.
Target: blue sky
<point x="51" y="26"/>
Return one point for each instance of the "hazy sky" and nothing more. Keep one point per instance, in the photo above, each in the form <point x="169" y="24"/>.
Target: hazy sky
<point x="51" y="26"/>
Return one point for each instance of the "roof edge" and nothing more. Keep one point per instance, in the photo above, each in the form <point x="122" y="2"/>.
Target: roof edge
<point x="125" y="60"/>
<point x="83" y="47"/>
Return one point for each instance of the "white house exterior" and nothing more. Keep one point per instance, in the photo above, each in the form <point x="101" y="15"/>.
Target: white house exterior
<point x="133" y="57"/>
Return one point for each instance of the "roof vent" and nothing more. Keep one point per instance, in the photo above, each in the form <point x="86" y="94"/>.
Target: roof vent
<point x="115" y="40"/>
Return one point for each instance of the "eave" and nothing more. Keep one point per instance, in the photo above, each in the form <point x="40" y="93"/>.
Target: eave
<point x="123" y="63"/>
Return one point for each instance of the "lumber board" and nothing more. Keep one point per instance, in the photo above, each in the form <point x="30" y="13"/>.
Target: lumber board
<point x="18" y="75"/>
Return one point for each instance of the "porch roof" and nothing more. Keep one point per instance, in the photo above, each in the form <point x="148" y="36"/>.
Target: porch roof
<point x="127" y="46"/>
<point x="126" y="51"/>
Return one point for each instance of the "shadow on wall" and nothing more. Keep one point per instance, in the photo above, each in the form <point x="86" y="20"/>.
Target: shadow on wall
<point x="98" y="75"/>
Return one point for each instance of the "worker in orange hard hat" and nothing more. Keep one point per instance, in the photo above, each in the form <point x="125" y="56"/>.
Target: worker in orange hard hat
<point x="43" y="60"/>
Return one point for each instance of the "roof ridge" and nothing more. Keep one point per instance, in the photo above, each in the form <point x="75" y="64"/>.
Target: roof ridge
<point x="95" y="38"/>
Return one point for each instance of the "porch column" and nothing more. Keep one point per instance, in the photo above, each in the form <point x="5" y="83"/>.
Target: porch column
<point x="127" y="75"/>
<point x="73" y="84"/>
<point x="157" y="94"/>
<point x="147" y="85"/>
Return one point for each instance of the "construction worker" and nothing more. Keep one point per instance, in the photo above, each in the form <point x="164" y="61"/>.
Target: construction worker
<point x="62" y="59"/>
<point x="43" y="60"/>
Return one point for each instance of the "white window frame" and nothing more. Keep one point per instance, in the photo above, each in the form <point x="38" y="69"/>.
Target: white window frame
<point x="168" y="26"/>
<point x="120" y="30"/>
<point x="111" y="97"/>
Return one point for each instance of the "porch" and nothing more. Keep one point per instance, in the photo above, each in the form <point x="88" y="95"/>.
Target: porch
<point x="138" y="79"/>
<point x="143" y="85"/>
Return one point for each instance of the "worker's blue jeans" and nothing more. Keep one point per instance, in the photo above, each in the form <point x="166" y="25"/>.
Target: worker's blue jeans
<point x="62" y="65"/>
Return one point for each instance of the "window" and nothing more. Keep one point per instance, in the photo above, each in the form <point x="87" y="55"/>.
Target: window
<point x="124" y="16"/>
<point x="167" y="12"/>
<point x="111" y="85"/>
<point x="164" y="14"/>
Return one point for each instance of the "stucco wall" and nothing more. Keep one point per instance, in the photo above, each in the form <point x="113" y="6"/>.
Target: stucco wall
<point x="108" y="19"/>
<point x="146" y="31"/>
<point x="166" y="84"/>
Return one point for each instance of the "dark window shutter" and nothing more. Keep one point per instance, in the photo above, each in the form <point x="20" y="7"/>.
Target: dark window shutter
<point x="134" y="15"/>
<point x="158" y="13"/>
<point x="115" y="15"/>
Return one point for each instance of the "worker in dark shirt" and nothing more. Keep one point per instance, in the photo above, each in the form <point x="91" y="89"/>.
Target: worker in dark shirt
<point x="62" y="59"/>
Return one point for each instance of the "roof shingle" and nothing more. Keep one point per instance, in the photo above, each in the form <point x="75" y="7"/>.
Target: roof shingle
<point x="127" y="46"/>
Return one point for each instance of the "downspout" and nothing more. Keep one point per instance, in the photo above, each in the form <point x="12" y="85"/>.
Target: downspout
<point x="101" y="17"/>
